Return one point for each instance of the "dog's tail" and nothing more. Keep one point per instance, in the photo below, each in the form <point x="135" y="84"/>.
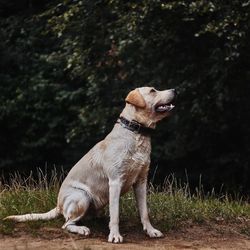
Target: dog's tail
<point x="41" y="216"/>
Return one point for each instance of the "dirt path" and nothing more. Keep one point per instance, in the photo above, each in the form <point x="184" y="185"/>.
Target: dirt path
<point x="195" y="237"/>
<point x="24" y="243"/>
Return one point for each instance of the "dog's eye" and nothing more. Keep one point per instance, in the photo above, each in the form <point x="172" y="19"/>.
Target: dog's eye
<point x="152" y="91"/>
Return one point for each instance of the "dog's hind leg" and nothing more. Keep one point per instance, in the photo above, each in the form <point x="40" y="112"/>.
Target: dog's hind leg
<point x="74" y="208"/>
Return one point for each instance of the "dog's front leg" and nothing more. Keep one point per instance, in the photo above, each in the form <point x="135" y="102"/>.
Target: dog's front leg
<point x="140" y="189"/>
<point x="114" y="197"/>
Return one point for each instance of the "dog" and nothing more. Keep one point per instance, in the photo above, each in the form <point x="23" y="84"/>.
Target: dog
<point x="113" y="166"/>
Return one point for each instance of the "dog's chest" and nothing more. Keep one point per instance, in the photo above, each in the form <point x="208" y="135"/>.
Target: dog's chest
<point x="141" y="152"/>
<point x="137" y="163"/>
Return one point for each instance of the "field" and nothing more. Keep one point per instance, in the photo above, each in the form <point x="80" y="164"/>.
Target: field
<point x="195" y="220"/>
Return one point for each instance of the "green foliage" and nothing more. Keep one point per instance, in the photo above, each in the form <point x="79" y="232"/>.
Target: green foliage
<point x="65" y="70"/>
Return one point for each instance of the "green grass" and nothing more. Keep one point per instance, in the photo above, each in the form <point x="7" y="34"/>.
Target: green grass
<point x="170" y="208"/>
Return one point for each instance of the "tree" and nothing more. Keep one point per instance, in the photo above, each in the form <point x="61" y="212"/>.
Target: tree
<point x="66" y="69"/>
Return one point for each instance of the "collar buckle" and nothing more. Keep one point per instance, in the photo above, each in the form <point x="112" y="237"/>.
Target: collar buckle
<point x="136" y="126"/>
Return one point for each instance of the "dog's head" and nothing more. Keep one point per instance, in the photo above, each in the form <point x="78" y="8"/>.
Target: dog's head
<point x="149" y="105"/>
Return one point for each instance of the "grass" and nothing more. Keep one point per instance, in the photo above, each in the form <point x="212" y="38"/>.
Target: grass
<point x="170" y="207"/>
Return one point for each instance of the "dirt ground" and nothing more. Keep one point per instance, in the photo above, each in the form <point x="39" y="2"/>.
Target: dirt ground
<point x="203" y="237"/>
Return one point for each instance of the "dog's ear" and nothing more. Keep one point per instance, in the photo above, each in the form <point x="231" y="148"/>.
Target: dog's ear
<point x="134" y="97"/>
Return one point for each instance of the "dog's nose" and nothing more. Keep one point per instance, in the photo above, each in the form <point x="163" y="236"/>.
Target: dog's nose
<point x="174" y="91"/>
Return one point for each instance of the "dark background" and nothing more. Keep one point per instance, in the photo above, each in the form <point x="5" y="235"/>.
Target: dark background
<point x="66" y="67"/>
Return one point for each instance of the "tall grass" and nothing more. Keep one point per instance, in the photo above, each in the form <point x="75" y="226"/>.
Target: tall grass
<point x="170" y="206"/>
<point x="24" y="195"/>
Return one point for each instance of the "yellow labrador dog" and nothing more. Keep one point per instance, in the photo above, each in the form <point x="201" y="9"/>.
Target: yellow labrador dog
<point x="113" y="166"/>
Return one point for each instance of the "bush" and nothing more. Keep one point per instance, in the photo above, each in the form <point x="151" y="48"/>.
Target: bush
<point x="65" y="70"/>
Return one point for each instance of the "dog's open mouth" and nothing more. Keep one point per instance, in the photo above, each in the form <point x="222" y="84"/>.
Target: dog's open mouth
<point x="161" y="108"/>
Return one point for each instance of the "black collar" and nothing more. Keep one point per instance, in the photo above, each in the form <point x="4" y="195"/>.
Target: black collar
<point x="135" y="126"/>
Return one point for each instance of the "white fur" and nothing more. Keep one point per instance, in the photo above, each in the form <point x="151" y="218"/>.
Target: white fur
<point x="29" y="217"/>
<point x="109" y="170"/>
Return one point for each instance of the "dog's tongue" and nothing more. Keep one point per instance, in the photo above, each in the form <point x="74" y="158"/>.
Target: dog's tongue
<point x="165" y="107"/>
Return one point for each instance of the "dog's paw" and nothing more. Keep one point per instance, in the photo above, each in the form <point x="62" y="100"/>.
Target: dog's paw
<point x="154" y="233"/>
<point x="115" y="237"/>
<point x="78" y="229"/>
<point x="83" y="230"/>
